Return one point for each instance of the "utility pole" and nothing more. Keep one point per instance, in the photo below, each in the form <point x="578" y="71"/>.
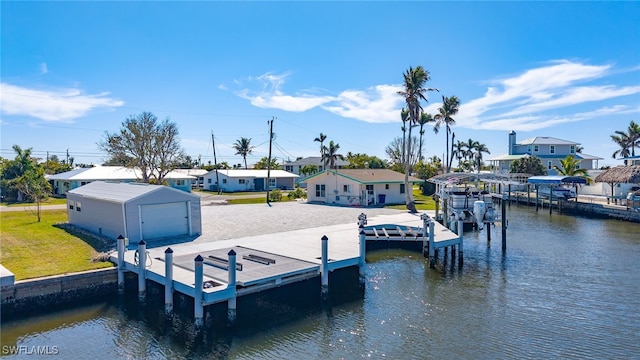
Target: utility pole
<point x="269" y="159"/>
<point x="215" y="163"/>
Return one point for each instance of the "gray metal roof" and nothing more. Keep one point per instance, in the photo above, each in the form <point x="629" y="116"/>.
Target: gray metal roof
<point x="546" y="140"/>
<point x="120" y="192"/>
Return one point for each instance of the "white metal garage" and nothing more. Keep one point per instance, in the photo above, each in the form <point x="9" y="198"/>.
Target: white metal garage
<point x="135" y="211"/>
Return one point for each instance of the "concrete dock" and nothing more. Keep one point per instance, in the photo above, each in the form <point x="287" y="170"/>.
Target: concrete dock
<point x="221" y="270"/>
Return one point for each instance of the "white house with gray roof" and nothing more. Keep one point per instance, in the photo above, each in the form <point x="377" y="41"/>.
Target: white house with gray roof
<point x="134" y="210"/>
<point x="358" y="187"/>
<point x="235" y="180"/>
<point x="63" y="182"/>
<point x="549" y="150"/>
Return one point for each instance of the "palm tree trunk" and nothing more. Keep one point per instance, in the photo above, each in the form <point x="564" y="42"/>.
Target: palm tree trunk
<point x="408" y="191"/>
<point x="447" y="146"/>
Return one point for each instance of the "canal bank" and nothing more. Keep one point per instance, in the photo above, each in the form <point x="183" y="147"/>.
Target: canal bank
<point x="35" y="296"/>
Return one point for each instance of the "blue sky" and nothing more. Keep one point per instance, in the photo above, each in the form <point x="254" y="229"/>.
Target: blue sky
<point x="72" y="70"/>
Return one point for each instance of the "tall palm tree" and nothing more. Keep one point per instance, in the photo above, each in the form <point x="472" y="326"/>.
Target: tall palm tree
<point x="321" y="140"/>
<point x="413" y="92"/>
<point x="425" y="118"/>
<point x="480" y="148"/>
<point x="243" y="148"/>
<point x="450" y="106"/>
<point x="471" y="146"/>
<point x="622" y="139"/>
<point x="633" y="132"/>
<point x="458" y="151"/>
<point x="330" y="155"/>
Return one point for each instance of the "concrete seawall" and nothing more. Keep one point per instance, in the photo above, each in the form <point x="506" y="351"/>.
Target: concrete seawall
<point x="34" y="296"/>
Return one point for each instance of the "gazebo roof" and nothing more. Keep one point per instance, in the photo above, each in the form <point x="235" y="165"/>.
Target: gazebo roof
<point x="620" y="175"/>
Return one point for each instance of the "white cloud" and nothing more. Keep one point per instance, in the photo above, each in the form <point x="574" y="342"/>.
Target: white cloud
<point x="378" y="104"/>
<point x="519" y="102"/>
<point x="62" y="105"/>
<point x="523" y="102"/>
<point x="43" y="68"/>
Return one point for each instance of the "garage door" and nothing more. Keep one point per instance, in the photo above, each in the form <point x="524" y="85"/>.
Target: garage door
<point x="163" y="220"/>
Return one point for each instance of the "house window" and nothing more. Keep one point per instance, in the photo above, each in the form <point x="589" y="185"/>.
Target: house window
<point x="288" y="168"/>
<point x="573" y="149"/>
<point x="346" y="188"/>
<point x="209" y="181"/>
<point x="272" y="182"/>
<point x="370" y="189"/>
<point x="552" y="149"/>
<point x="535" y="148"/>
<point x="549" y="165"/>
<point x="180" y="182"/>
<point x="529" y="149"/>
<point x="401" y="188"/>
<point x="241" y="181"/>
<point x="386" y="186"/>
<point x="224" y="181"/>
<point x="320" y="190"/>
<point x="70" y="205"/>
<point x="78" y="206"/>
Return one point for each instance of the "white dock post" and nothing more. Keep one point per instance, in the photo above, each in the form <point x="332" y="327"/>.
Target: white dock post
<point x="324" y="268"/>
<point x="425" y="233"/>
<point x="121" y="264"/>
<point x="198" y="310"/>
<point x="231" y="303"/>
<point x="142" y="271"/>
<point x="460" y="247"/>
<point x="432" y="246"/>
<point x="168" y="282"/>
<point x="363" y="251"/>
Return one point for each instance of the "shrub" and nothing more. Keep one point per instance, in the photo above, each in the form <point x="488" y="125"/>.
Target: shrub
<point x="297" y="194"/>
<point x="275" y="195"/>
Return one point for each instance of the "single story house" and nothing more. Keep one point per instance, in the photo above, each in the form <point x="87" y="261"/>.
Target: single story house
<point x="549" y="150"/>
<point x="134" y="210"/>
<point x="234" y="180"/>
<point x="358" y="187"/>
<point x="198" y="174"/>
<point x="63" y="182"/>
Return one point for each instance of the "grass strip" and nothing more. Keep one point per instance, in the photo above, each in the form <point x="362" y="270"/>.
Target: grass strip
<point x="32" y="249"/>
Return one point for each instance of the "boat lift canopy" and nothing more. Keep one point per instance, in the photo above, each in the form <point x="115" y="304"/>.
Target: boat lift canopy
<point x="458" y="178"/>
<point x="556" y="180"/>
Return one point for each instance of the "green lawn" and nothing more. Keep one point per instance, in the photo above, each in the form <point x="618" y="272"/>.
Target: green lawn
<point x="49" y="201"/>
<point x="422" y="202"/>
<point x="33" y="249"/>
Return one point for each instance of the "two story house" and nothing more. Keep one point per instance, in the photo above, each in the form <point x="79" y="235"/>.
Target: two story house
<point x="549" y="150"/>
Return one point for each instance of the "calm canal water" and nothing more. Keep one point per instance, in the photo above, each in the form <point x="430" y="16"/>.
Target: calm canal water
<point x="567" y="287"/>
